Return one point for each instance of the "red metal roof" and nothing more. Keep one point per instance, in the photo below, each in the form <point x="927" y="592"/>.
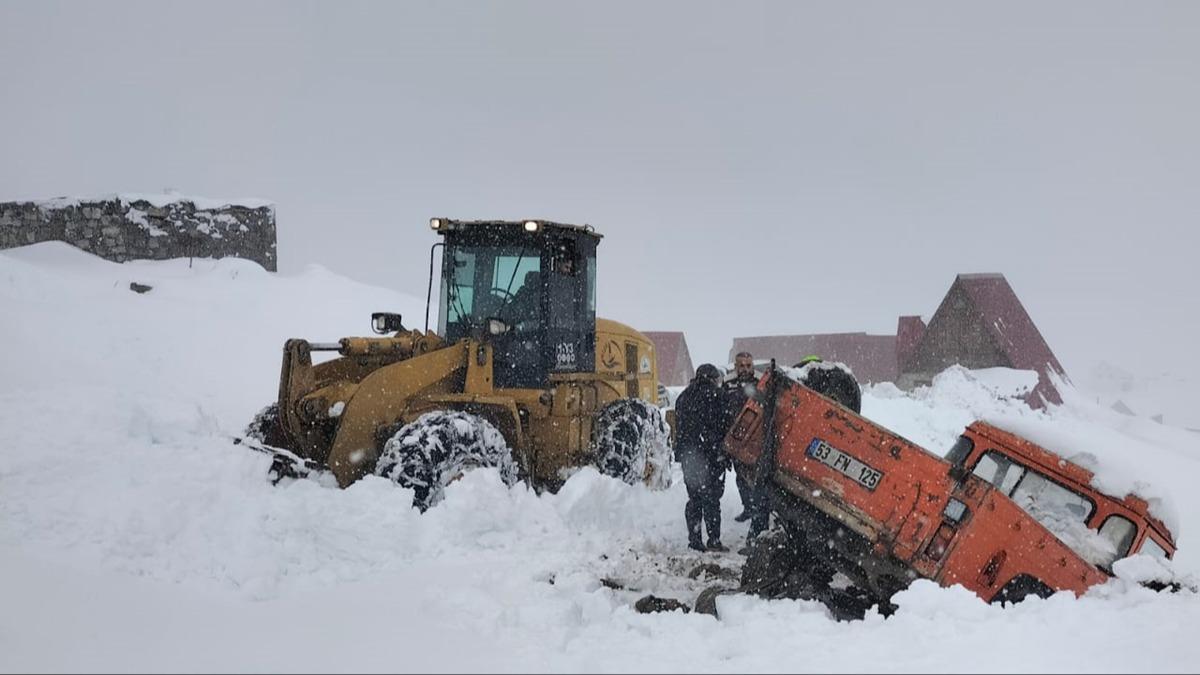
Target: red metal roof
<point x="909" y="331"/>
<point x="1014" y="332"/>
<point x="881" y="358"/>
<point x="671" y="354"/>
<point x="994" y="304"/>
<point x="871" y="357"/>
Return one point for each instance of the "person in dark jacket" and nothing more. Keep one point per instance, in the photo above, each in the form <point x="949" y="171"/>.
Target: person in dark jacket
<point x="735" y="398"/>
<point x="700" y="412"/>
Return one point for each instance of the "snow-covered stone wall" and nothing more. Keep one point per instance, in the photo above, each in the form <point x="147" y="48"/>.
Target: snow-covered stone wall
<point x="150" y="227"/>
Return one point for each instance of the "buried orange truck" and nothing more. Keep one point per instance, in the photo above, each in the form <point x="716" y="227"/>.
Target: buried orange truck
<point x="999" y="515"/>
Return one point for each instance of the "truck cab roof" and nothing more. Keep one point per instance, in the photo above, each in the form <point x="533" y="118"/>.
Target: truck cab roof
<point x="532" y="226"/>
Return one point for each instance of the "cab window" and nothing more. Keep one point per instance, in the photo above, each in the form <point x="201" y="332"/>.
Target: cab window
<point x="999" y="471"/>
<point x="958" y="454"/>
<point x="1062" y="511"/>
<point x="1044" y="499"/>
<point x="458" y="286"/>
<point x="590" y="263"/>
<point x="1120" y="532"/>
<point x="1151" y="548"/>
<point x="1041" y="497"/>
<point x="516" y="289"/>
<point x="482" y="282"/>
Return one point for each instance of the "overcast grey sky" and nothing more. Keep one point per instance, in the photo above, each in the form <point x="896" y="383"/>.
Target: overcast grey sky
<point x="756" y="168"/>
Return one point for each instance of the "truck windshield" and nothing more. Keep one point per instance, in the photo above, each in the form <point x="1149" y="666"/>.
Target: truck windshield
<point x="484" y="282"/>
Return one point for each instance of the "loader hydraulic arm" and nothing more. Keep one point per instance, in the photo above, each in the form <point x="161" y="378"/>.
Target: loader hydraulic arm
<point x="304" y="387"/>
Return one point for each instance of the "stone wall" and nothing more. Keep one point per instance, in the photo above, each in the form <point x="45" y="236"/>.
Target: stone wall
<point x="147" y="227"/>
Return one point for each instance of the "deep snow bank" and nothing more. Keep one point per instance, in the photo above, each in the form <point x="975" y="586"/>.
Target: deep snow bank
<point x="131" y="527"/>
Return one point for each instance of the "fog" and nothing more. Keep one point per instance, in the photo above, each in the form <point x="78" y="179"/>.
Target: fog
<point x="755" y="168"/>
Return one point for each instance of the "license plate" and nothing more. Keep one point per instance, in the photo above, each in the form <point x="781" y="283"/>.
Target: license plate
<point x="844" y="464"/>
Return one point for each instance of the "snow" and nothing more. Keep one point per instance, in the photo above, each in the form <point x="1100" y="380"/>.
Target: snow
<point x="154" y="199"/>
<point x="1171" y="394"/>
<point x="1127" y="454"/>
<point x="131" y="525"/>
<point x="139" y="217"/>
<point x="801" y="373"/>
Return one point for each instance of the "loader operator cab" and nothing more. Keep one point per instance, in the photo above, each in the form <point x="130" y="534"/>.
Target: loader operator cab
<point x="526" y="287"/>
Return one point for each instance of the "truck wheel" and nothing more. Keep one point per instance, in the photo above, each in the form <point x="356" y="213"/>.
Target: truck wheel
<point x="835" y="383"/>
<point x="437" y="449"/>
<point x="779" y="565"/>
<point x="266" y="427"/>
<point x="630" y="441"/>
<point x="773" y="557"/>
<point x="1020" y="587"/>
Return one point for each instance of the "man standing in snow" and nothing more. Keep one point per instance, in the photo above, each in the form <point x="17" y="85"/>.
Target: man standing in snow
<point x="735" y="397"/>
<point x="701" y="416"/>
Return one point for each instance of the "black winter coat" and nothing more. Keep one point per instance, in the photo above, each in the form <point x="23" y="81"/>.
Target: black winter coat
<point x="735" y="398"/>
<point x="701" y="413"/>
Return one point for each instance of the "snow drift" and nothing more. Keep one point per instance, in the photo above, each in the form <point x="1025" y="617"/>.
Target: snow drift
<point x="134" y="536"/>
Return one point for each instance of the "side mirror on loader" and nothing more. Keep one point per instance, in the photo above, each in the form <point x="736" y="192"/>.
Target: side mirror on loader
<point x="384" y="322"/>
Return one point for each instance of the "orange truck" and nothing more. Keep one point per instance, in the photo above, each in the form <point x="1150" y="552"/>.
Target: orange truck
<point x="999" y="515"/>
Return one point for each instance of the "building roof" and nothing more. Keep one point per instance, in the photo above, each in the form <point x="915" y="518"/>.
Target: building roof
<point x="1004" y="318"/>
<point x="671" y="354"/>
<point x="909" y="331"/>
<point x="1120" y="407"/>
<point x="1008" y="321"/>
<point x="871" y="357"/>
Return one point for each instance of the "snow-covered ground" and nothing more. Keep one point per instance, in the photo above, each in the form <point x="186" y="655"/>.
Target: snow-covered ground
<point x="134" y="536"/>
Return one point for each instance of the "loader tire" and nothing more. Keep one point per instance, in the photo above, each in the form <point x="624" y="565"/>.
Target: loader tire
<point x="631" y="442"/>
<point x="266" y="427"/>
<point x="437" y="449"/>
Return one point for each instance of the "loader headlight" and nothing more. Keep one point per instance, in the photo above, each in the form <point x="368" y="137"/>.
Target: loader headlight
<point x="532" y="226"/>
<point x="386" y="322"/>
<point x="498" y="327"/>
<point x="435" y="223"/>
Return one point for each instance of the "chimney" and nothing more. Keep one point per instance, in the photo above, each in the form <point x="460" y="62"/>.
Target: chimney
<point x="909" y="333"/>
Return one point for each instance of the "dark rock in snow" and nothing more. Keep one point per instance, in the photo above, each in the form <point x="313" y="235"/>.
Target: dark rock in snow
<point x="714" y="571"/>
<point x="706" y="602"/>
<point x="139" y="288"/>
<point x="651" y="604"/>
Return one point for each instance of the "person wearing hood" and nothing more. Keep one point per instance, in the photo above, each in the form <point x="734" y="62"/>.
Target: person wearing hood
<point x="700" y="412"/>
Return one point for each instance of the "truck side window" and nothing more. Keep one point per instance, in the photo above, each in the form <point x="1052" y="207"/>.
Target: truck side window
<point x="999" y="470"/>
<point x="1151" y="548"/>
<point x="1120" y="532"/>
<point x="1048" y="501"/>
<point x="962" y="448"/>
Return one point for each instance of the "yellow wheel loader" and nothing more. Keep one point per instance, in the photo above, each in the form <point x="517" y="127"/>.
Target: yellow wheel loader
<point x="520" y="376"/>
